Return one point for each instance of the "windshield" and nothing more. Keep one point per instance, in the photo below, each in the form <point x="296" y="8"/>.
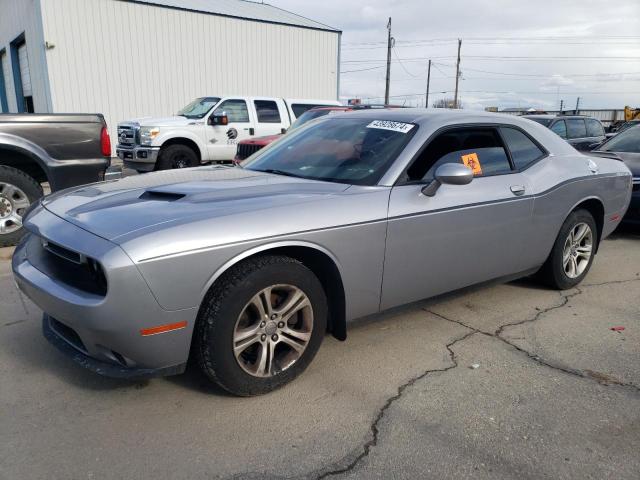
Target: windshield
<point x="627" y="141"/>
<point x="199" y="107"/>
<point x="356" y="151"/>
<point x="541" y="121"/>
<point x="308" y="116"/>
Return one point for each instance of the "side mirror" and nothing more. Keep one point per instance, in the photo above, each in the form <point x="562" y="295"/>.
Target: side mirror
<point x="449" y="173"/>
<point x="217" y="119"/>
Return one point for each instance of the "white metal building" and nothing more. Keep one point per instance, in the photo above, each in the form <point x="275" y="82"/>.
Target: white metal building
<point x="133" y="58"/>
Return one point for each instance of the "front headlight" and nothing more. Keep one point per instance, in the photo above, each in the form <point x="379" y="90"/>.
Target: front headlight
<point x="148" y="134"/>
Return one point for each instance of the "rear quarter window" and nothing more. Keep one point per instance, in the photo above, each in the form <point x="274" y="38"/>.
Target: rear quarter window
<point x="594" y="128"/>
<point x="523" y="150"/>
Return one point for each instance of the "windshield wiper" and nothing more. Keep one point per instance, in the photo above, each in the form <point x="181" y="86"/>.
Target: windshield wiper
<point x="280" y="172"/>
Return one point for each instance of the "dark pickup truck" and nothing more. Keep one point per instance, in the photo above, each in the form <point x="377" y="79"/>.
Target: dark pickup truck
<point x="63" y="150"/>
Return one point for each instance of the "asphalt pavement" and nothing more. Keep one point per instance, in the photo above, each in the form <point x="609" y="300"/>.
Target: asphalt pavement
<point x="503" y="381"/>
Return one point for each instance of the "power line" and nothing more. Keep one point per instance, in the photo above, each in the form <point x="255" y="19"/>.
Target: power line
<point x="402" y="65"/>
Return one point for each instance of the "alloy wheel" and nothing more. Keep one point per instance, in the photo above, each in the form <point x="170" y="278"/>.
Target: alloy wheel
<point x="13" y="203"/>
<point x="273" y="330"/>
<point x="577" y="251"/>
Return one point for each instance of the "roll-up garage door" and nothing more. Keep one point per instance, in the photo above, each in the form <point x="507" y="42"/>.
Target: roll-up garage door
<point x="25" y="75"/>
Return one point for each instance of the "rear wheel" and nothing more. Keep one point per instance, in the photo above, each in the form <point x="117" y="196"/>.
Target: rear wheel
<point x="573" y="252"/>
<point x="176" y="156"/>
<point x="261" y="325"/>
<point x="17" y="192"/>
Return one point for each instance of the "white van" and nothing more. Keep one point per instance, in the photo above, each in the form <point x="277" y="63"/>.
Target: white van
<point x="206" y="130"/>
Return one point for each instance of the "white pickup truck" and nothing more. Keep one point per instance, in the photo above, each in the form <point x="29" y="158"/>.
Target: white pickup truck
<point x="206" y="130"/>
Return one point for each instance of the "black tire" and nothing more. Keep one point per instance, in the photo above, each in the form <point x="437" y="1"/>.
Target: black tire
<point x="28" y="185"/>
<point x="213" y="336"/>
<point x="553" y="272"/>
<point x="176" y="156"/>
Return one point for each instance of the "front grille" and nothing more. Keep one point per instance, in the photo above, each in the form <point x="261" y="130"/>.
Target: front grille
<point x="126" y="135"/>
<point x="68" y="334"/>
<point x="66" y="266"/>
<point x="247" y="149"/>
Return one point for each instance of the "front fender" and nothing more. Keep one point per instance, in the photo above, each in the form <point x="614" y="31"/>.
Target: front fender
<point x="263" y="248"/>
<point x="181" y="134"/>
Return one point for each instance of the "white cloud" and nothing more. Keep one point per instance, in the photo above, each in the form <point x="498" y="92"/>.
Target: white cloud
<point x="505" y="80"/>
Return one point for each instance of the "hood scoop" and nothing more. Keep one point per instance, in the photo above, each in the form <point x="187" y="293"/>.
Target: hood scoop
<point x="160" y="196"/>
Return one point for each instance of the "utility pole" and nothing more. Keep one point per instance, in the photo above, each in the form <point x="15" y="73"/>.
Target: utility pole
<point x="455" y="98"/>
<point x="389" y="45"/>
<point x="577" y="106"/>
<point x="426" y="99"/>
<point x="561" y="106"/>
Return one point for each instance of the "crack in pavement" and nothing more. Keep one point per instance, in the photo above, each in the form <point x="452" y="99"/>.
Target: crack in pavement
<point x="587" y="374"/>
<point x="375" y="432"/>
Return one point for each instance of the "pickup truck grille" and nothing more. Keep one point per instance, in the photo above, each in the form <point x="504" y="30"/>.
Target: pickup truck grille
<point x="126" y="135"/>
<point x="246" y="150"/>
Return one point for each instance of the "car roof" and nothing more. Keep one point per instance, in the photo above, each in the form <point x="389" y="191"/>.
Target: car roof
<point x="552" y="116"/>
<point x="343" y="108"/>
<point x="433" y="115"/>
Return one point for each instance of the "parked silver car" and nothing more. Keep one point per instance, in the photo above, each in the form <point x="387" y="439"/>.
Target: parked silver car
<point x="247" y="268"/>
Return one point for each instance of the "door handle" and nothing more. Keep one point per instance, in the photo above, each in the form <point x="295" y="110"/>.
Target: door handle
<point x="517" y="189"/>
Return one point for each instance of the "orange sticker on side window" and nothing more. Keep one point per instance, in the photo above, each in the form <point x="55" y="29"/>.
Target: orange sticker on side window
<point x="471" y="161"/>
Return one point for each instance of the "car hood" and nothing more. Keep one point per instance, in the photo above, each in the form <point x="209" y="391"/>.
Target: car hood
<point x="163" y="121"/>
<point x="266" y="140"/>
<point x="139" y="204"/>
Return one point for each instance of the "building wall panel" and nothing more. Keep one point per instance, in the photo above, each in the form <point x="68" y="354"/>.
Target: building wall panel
<point x="127" y="60"/>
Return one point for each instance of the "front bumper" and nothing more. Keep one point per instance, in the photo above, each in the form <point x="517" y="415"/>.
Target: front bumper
<point x="137" y="157"/>
<point x="106" y="369"/>
<point x="107" y="326"/>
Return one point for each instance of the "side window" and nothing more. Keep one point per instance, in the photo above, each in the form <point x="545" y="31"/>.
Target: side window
<point x="576" y="128"/>
<point x="523" y="150"/>
<point x="479" y="146"/>
<point x="560" y="128"/>
<point x="300" y="108"/>
<point x="236" y="110"/>
<point x="594" y="128"/>
<point x="267" y="111"/>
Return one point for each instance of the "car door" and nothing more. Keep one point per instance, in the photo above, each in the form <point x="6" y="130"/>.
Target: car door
<point x="464" y="234"/>
<point x="222" y="139"/>
<point x="271" y="117"/>
<point x="577" y="133"/>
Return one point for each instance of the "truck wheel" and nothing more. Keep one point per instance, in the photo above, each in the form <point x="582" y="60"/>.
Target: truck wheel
<point x="176" y="156"/>
<point x="260" y="325"/>
<point x="17" y="191"/>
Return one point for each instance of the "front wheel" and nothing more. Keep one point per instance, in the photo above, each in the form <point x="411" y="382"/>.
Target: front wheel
<point x="573" y="251"/>
<point x="260" y="325"/>
<point x="176" y="156"/>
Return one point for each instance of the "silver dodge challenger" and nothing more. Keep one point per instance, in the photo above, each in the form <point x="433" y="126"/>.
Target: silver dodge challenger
<point x="246" y="268"/>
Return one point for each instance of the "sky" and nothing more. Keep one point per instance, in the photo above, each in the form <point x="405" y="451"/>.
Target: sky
<point x="515" y="53"/>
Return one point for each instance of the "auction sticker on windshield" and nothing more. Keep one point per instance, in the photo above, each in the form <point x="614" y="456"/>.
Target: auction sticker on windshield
<point x="389" y="125"/>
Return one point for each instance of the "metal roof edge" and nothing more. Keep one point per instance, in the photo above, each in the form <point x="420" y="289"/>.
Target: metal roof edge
<point x="151" y="3"/>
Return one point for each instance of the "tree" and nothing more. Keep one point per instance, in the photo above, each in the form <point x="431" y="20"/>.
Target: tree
<point x="446" y="103"/>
